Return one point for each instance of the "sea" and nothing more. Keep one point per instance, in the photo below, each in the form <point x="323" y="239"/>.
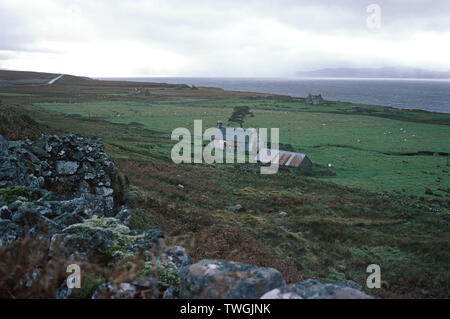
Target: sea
<point x="423" y="94"/>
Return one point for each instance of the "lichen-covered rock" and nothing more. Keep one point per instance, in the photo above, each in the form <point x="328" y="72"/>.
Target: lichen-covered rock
<point x="222" y="279"/>
<point x="178" y="256"/>
<point x="124" y="215"/>
<point x="28" y="216"/>
<point x="154" y="278"/>
<point x="121" y="290"/>
<point x="165" y="273"/>
<point x="108" y="236"/>
<point x="312" y="289"/>
<point x="9" y="232"/>
<point x="66" y="167"/>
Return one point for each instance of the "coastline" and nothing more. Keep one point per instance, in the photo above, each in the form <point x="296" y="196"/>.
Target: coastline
<point x="264" y="86"/>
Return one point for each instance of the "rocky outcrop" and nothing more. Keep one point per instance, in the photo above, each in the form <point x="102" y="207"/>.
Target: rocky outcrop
<point x="55" y="182"/>
<point x="222" y="279"/>
<point x="68" y="191"/>
<point x="107" y="236"/>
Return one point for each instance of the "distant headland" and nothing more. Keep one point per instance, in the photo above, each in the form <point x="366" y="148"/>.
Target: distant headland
<point x="386" y="72"/>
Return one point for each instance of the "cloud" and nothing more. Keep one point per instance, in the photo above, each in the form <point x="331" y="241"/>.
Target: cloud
<point x="218" y="38"/>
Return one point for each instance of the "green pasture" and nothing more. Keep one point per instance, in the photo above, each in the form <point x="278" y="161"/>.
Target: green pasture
<point x="377" y="149"/>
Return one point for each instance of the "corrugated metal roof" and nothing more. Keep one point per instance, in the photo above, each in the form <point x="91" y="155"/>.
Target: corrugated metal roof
<point x="286" y="158"/>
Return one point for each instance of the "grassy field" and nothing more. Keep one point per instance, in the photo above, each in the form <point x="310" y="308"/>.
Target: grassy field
<point x="372" y="152"/>
<point x="382" y="207"/>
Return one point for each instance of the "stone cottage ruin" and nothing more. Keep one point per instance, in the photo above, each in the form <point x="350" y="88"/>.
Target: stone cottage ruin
<point x="314" y="99"/>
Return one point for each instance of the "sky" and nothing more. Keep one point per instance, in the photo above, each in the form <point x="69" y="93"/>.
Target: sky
<point x="118" y="38"/>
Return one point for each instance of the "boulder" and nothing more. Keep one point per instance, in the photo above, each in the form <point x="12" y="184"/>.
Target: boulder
<point x="313" y="289"/>
<point x="108" y="236"/>
<point x="235" y="208"/>
<point x="121" y="290"/>
<point x="282" y="214"/>
<point x="222" y="279"/>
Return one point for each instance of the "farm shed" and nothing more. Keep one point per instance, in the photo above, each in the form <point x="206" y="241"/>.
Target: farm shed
<point x="289" y="159"/>
<point x="227" y="139"/>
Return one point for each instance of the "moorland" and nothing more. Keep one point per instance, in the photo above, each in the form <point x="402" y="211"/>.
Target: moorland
<point x="379" y="193"/>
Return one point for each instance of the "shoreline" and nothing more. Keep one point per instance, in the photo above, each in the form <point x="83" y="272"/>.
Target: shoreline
<point x="146" y="80"/>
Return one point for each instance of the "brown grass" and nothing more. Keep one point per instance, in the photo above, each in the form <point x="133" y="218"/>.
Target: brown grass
<point x="20" y="260"/>
<point x="16" y="125"/>
<point x="30" y="259"/>
<point x="193" y="226"/>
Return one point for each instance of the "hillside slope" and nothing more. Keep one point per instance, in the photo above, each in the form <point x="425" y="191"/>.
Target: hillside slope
<point x="306" y="227"/>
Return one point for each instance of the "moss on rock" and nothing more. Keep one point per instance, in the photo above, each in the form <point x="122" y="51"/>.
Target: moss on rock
<point x="10" y="194"/>
<point x="108" y="236"/>
<point x="166" y="274"/>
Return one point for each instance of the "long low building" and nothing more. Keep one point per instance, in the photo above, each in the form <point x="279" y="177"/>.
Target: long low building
<point x="290" y="159"/>
<point x="226" y="139"/>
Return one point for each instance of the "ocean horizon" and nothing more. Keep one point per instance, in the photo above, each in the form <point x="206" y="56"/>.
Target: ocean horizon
<point x="424" y="94"/>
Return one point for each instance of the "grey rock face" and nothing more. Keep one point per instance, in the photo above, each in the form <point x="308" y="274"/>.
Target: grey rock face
<point x="221" y="279"/>
<point x="312" y="289"/>
<point x="178" y="256"/>
<point x="66" y="168"/>
<point x="9" y="232"/>
<point x="121" y="290"/>
<point x="235" y="208"/>
<point x="5" y="213"/>
<point x="63" y="292"/>
<point x="124" y="215"/>
<point x="137" y="288"/>
<point x="4" y="145"/>
<point x="54" y="159"/>
<point x="282" y="214"/>
<point x="86" y="179"/>
<point x="28" y="216"/>
<point x="104" y="191"/>
<point x="108" y="236"/>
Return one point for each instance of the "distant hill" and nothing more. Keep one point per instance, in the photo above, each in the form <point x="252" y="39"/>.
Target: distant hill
<point x="10" y="78"/>
<point x="17" y="79"/>
<point x="9" y="75"/>
<point x="387" y="72"/>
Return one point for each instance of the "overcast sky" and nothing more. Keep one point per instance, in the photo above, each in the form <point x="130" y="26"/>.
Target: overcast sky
<point x="220" y="38"/>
